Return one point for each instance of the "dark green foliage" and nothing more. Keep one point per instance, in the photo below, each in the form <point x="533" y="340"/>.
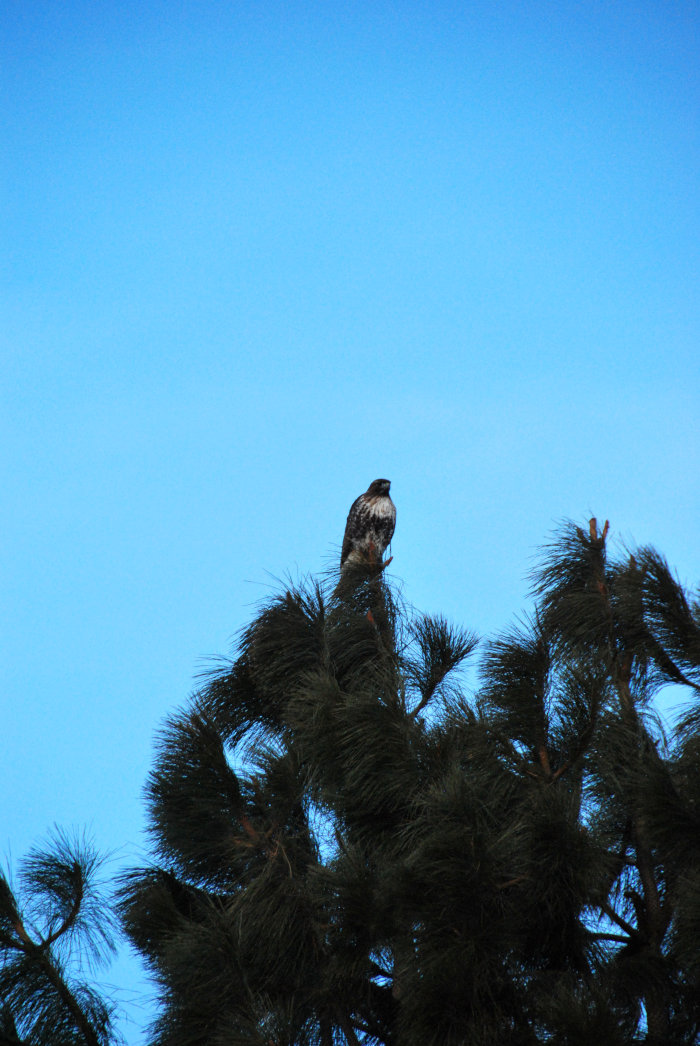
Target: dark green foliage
<point x="354" y="848"/>
<point x="53" y="929"/>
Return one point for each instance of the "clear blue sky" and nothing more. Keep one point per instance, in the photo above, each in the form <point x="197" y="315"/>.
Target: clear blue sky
<point x="257" y="254"/>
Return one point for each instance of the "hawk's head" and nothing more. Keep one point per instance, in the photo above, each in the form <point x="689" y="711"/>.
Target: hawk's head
<point x="379" y="487"/>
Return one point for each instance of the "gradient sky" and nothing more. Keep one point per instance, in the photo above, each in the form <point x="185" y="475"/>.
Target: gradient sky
<point x="257" y="254"/>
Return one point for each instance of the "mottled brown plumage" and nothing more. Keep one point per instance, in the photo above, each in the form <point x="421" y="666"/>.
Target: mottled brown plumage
<point x="370" y="525"/>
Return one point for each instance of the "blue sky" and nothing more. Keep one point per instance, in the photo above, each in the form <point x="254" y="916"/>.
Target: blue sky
<point x="257" y="254"/>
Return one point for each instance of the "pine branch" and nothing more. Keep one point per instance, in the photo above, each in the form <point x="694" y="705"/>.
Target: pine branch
<point x="617" y="938"/>
<point x="38" y="954"/>
<point x="70" y="919"/>
<point x="630" y="930"/>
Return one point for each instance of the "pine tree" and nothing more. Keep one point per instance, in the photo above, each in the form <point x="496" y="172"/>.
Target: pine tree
<point x="55" y="929"/>
<point x="353" y="847"/>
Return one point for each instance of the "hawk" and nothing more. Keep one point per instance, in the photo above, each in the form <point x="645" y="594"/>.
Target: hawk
<point x="370" y="525"/>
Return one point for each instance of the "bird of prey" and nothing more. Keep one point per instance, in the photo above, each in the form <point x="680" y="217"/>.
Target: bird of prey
<point x="370" y="525"/>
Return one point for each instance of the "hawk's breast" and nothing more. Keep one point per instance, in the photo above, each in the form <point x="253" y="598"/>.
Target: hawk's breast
<point x="381" y="507"/>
